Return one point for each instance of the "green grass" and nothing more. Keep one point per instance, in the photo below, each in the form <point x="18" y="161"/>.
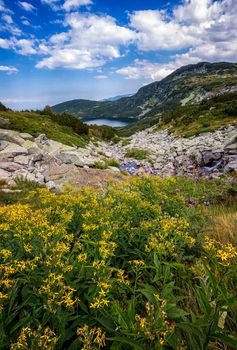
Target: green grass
<point x="137" y="154"/>
<point x="113" y="162"/>
<point x="36" y="124"/>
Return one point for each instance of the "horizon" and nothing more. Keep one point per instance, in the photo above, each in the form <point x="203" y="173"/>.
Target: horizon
<point x="50" y="50"/>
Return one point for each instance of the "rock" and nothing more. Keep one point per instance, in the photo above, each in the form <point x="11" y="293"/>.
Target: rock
<point x="13" y="149"/>
<point x="31" y="146"/>
<point x="3" y="145"/>
<point x="42" y="139"/>
<point x="11" y="136"/>
<point x="114" y="168"/>
<point x="23" y="160"/>
<point x="4" y="175"/>
<point x="10" y="166"/>
<point x="55" y="172"/>
<point x="26" y="136"/>
<point x="40" y="177"/>
<point x="51" y="185"/>
<point x="4" y="123"/>
<point x="53" y="147"/>
<point x="75" y="157"/>
<point x="231" y="166"/>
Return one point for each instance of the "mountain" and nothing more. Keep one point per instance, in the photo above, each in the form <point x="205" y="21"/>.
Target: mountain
<point x="116" y="98"/>
<point x="187" y="85"/>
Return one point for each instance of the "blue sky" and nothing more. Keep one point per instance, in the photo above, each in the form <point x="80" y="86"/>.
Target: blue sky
<point x="56" y="50"/>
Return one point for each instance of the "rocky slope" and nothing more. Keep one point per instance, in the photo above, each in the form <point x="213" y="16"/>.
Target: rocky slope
<point x="189" y="84"/>
<point x="53" y="163"/>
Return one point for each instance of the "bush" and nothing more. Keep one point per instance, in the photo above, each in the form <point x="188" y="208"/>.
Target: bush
<point x="77" y="125"/>
<point x="136" y="153"/>
<point x="3" y="108"/>
<point x="113" y="162"/>
<point x="122" y="268"/>
<point x="103" y="132"/>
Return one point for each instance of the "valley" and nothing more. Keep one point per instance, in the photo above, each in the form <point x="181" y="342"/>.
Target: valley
<point x="122" y="237"/>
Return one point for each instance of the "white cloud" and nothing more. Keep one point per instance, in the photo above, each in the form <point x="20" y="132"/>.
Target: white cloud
<point x="27" y="6"/>
<point x="24" y="46"/>
<point x="4" y="43"/>
<point x="206" y="30"/>
<point x="3" y="7"/>
<point x="26" y="22"/>
<point x="192" y="24"/>
<point x="101" y="76"/>
<point x="7" y="18"/>
<point x="8" y="69"/>
<point x="142" y="69"/>
<point x="74" y="4"/>
<point x="81" y="47"/>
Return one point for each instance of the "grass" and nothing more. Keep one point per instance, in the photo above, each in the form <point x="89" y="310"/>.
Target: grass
<point x="113" y="162"/>
<point x="36" y="124"/>
<point x="222" y="223"/>
<point x="137" y="154"/>
<point x="105" y="163"/>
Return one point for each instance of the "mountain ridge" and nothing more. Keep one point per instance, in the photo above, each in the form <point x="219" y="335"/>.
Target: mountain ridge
<point x="187" y="85"/>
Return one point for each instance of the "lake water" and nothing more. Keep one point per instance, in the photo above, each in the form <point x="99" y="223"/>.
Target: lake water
<point x="110" y="122"/>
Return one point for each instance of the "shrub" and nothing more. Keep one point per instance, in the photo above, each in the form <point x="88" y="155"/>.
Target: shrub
<point x="122" y="268"/>
<point x="3" y="108"/>
<point x="136" y="153"/>
<point x="113" y="162"/>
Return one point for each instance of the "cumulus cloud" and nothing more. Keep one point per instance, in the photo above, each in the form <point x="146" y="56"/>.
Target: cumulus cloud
<point x="74" y="4"/>
<point x="81" y="47"/>
<point x="24" y="46"/>
<point x="205" y="30"/>
<point x="4" y="43"/>
<point x="143" y="69"/>
<point x="67" y="5"/>
<point x="8" y="69"/>
<point x="27" y="6"/>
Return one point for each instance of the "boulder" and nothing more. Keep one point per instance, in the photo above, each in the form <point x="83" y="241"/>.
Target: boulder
<point x="53" y="147"/>
<point x="51" y="185"/>
<point x="11" y="136"/>
<point x="4" y="175"/>
<point x="42" y="139"/>
<point x="231" y="166"/>
<point x="75" y="157"/>
<point x="13" y="149"/>
<point x="26" y="136"/>
<point x="55" y="172"/>
<point x="32" y="147"/>
<point x="23" y="160"/>
<point x="10" y="166"/>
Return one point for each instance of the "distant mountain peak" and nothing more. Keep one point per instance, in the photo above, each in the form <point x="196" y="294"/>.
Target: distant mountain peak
<point x="116" y="98"/>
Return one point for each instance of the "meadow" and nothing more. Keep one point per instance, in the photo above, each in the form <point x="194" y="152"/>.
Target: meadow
<point x="140" y="265"/>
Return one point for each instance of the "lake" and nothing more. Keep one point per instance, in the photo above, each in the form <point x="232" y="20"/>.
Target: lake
<point x="110" y="122"/>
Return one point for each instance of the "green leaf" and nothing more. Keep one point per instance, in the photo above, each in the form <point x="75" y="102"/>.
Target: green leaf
<point x="123" y="340"/>
<point x="227" y="340"/>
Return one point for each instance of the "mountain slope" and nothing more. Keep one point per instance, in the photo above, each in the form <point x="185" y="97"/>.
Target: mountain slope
<point x="187" y="85"/>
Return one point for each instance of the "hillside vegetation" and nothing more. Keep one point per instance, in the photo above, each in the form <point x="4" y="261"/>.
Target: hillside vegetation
<point x="187" y="85"/>
<point x="192" y="119"/>
<point x="137" y="266"/>
<point x="63" y="128"/>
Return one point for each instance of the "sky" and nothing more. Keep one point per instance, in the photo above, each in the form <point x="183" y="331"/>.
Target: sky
<point x="57" y="50"/>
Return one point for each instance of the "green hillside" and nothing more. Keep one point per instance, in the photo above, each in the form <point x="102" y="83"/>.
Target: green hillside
<point x="187" y="85"/>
